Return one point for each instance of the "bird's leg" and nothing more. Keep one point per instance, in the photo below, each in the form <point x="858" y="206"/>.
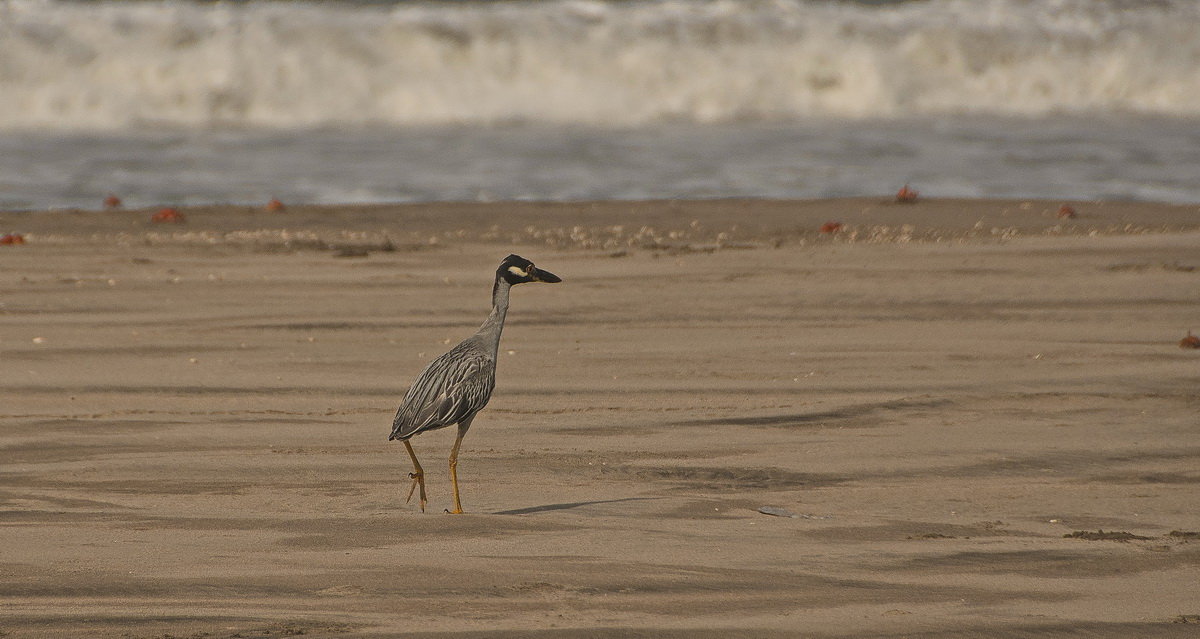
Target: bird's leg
<point x="418" y="477"/>
<point x="454" y="472"/>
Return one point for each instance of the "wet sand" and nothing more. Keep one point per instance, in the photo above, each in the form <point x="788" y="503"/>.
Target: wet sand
<point x="193" y="439"/>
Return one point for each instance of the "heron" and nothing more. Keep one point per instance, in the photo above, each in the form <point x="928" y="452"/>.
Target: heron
<point x="457" y="385"/>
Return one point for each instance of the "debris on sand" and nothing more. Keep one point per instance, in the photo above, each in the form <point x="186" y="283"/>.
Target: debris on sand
<point x="168" y="215"/>
<point x="906" y="195"/>
<point x="1101" y="535"/>
<point x="777" y="512"/>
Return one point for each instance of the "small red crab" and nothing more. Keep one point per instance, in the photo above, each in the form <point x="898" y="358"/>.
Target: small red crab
<point x="275" y="206"/>
<point x="1066" y="211"/>
<point x="12" y="238"/>
<point x="168" y="216"/>
<point x="1191" y="341"/>
<point x="831" y="227"/>
<point x="906" y="195"/>
<point x="112" y="202"/>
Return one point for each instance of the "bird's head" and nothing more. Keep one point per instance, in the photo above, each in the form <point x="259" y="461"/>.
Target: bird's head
<point x="518" y="270"/>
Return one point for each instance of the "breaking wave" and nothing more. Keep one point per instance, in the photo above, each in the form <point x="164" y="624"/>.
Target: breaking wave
<point x="118" y="65"/>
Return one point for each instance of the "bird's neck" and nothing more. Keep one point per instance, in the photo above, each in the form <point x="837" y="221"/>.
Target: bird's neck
<point x="494" y="324"/>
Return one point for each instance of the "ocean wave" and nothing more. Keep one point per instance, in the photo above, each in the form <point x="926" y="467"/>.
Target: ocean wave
<point x="118" y="65"/>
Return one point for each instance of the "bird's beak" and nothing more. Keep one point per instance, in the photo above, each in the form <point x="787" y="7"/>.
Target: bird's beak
<point x="546" y="276"/>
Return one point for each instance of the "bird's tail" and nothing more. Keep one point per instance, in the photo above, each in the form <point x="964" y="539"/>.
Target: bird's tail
<point x="398" y="429"/>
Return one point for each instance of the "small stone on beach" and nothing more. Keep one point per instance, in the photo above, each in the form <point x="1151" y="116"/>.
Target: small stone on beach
<point x="168" y="215"/>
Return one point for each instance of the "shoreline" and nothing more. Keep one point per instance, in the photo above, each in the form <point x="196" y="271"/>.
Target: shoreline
<point x="670" y="225"/>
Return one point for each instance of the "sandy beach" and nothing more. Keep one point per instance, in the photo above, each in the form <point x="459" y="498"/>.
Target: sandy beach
<point x="977" y="413"/>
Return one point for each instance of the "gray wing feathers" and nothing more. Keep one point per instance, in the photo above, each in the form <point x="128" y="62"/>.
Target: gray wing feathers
<point x="453" y="387"/>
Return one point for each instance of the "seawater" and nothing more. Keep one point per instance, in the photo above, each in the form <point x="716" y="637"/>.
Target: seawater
<point x="182" y="102"/>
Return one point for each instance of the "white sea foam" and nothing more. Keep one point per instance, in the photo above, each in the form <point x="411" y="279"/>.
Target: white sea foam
<point x="119" y="65"/>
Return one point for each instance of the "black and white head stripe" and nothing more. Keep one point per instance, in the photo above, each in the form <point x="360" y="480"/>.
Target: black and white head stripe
<point x="516" y="270"/>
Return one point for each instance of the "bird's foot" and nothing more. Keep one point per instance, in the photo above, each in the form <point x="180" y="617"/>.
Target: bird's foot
<point x="456" y="511"/>
<point x="418" y="480"/>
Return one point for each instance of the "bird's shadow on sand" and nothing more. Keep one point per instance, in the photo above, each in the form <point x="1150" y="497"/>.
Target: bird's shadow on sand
<point x="568" y="506"/>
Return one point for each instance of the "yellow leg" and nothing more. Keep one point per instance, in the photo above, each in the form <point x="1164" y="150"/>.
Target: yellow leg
<point x="418" y="477"/>
<point x="454" y="474"/>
